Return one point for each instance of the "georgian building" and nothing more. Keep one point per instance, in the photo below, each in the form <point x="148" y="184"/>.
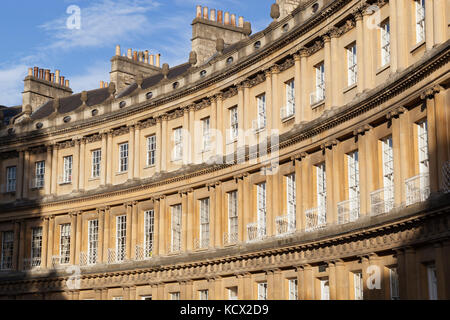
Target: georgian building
<point x="306" y="161"/>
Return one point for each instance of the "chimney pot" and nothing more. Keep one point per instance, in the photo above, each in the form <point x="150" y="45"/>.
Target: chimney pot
<point x="52" y="77"/>
<point x="62" y="81"/>
<point x="141" y="56"/>
<point x="135" y="55"/>
<point x="67" y="84"/>
<point x="36" y="72"/>
<point x="146" y="56"/>
<point x="41" y="73"/>
<point x="220" y="16"/>
<point x="117" y="50"/>
<point x="233" y="20"/>
<point x="199" y="11"/>
<point x="241" y="22"/>
<point x="129" y="54"/>
<point x="102" y="84"/>
<point x="47" y="75"/>
<point x="30" y="71"/>
<point x="152" y="60"/>
<point x="158" y="60"/>
<point x="212" y="16"/>
<point x="205" y="13"/>
<point x="227" y="18"/>
<point x="57" y="73"/>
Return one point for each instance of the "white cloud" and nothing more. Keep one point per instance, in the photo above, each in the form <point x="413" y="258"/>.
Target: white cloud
<point x="102" y="23"/>
<point x="11" y="84"/>
<point x="90" y="77"/>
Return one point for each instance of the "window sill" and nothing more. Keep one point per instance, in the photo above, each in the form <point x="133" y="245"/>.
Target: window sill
<point x="351" y="87"/>
<point x="37" y="188"/>
<point x="259" y="130"/>
<point x="318" y="104"/>
<point x="232" y="141"/>
<point x="287" y="118"/>
<point x="121" y="173"/>
<point x="177" y="160"/>
<point x="65" y="183"/>
<point x="383" y="68"/>
<point x="94" y="179"/>
<point x="417" y="46"/>
<point x="10" y="193"/>
<point x="150" y="166"/>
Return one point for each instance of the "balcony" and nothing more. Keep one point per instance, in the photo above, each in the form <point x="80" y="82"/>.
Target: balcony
<point x="201" y="243"/>
<point x="258" y="125"/>
<point x="58" y="261"/>
<point x="143" y="252"/>
<point x="256" y="231"/>
<point x="417" y="188"/>
<point x="348" y="211"/>
<point x="31" y="263"/>
<point x="446" y="177"/>
<point x="88" y="259"/>
<point x="116" y="256"/>
<point x="230" y="238"/>
<point x="285" y="224"/>
<point x="316" y="218"/>
<point x="287" y="112"/>
<point x="382" y="200"/>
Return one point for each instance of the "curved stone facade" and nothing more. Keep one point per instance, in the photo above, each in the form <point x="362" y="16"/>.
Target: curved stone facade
<point x="307" y="161"/>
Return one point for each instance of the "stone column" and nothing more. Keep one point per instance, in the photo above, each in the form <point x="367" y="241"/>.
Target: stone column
<point x="191" y="144"/>
<point x="429" y="30"/>
<point x="377" y="293"/>
<point x="241" y="119"/>
<point x="341" y="280"/>
<point x="305" y="105"/>
<point x="212" y="215"/>
<point x="134" y="228"/>
<point x="305" y="189"/>
<point x="269" y="102"/>
<point x="271" y="285"/>
<point x="44" y="243"/>
<point x="54" y="174"/>
<point x="79" y="237"/>
<point x="103" y="165"/>
<point x="219" y="216"/>
<point x="109" y="157"/>
<point x="16" y="245"/>
<point x="336" y="61"/>
<point x="367" y="66"/>
<point x="365" y="276"/>
<point x="19" y="175"/>
<point x="297" y="87"/>
<point x="158" y="144"/>
<point x="249" y="215"/>
<point x="241" y="221"/>
<point x="360" y="52"/>
<point x="401" y="270"/>
<point x="402" y="27"/>
<point x="213" y="122"/>
<point x="411" y="278"/>
<point x="332" y="280"/>
<point x="331" y="216"/>
<point x="300" y="282"/>
<point x="308" y="282"/>
<point x="137" y="152"/>
<point x="82" y="164"/>
<point x="48" y="170"/>
<point x="131" y="152"/>
<point x="156" y="206"/>
<point x="50" y="243"/>
<point x="221" y="132"/>
<point x="74" y="242"/>
<point x="184" y="219"/>
<point x="298" y="192"/>
<point x="190" y="220"/>
<point x="276" y="99"/>
<point x="398" y="181"/>
<point x="406" y="152"/>
<point x="165" y="143"/>
<point x="364" y="162"/>
<point x="106" y="233"/>
<point x="393" y="35"/>
<point x="186" y="137"/>
<point x="440" y="24"/>
<point x="101" y="231"/>
<point x="76" y="165"/>
<point x="26" y="174"/>
<point x="328" y="72"/>
<point x="163" y="226"/>
<point x="371" y="165"/>
<point x="129" y="210"/>
<point x="277" y="197"/>
<point x="218" y="288"/>
<point x="248" y="287"/>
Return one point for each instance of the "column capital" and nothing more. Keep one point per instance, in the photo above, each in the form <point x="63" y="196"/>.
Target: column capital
<point x="326" y="37"/>
<point x="430" y="92"/>
<point x="334" y="32"/>
<point x="131" y="203"/>
<point x="362" y="130"/>
<point x="395" y="113"/>
<point x="275" y="69"/>
<point x="303" y="52"/>
<point x="329" y="144"/>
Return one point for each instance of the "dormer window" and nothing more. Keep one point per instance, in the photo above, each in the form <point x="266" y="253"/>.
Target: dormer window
<point x="122" y="104"/>
<point x="149" y="95"/>
<point x="67" y="119"/>
<point x="94" y="112"/>
<point x="202" y="73"/>
<point x="257" y="44"/>
<point x="285" y="28"/>
<point x="230" y="60"/>
<point x="175" y="85"/>
<point x="39" y="125"/>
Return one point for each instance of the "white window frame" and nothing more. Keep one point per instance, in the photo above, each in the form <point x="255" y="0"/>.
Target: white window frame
<point x="11" y="179"/>
<point x="206" y="134"/>
<point x="233" y="220"/>
<point x="92" y="241"/>
<point x="39" y="172"/>
<point x="64" y="243"/>
<point x="261" y="197"/>
<point x="234" y="123"/>
<point x="262" y="116"/>
<point x="432" y="282"/>
<point x="175" y="296"/>
<point x="151" y="150"/>
<point x="96" y="163"/>
<point x="68" y="167"/>
<point x="352" y="64"/>
<point x="36" y="245"/>
<point x="290" y="98"/>
<point x="176" y="228"/>
<point x="233" y="293"/>
<point x="420" y="20"/>
<point x="123" y="157"/>
<point x="121" y="237"/>
<point x="385" y="42"/>
<point x="7" y="252"/>
<point x="291" y="196"/>
<point x="177" y="144"/>
<point x="422" y="144"/>
<point x="262" y="290"/>
<point x="203" y="294"/>
<point x="324" y="289"/>
<point x="319" y="92"/>
<point x="149" y="232"/>
<point x="394" y="284"/>
<point x="388" y="168"/>
<point x="293" y="289"/>
<point x="358" y="285"/>
<point x="204" y="222"/>
<point x="321" y="186"/>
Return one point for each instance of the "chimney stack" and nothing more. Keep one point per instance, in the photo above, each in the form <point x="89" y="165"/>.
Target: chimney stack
<point x="47" y="75"/>
<point x="241" y="22"/>
<point x="158" y="57"/>
<point x="57" y="73"/>
<point x="152" y="60"/>
<point x="41" y="73"/>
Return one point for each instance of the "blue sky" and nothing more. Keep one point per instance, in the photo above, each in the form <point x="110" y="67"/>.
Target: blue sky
<point x="35" y="33"/>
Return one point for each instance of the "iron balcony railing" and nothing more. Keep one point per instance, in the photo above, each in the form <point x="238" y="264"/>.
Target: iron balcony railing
<point x="316" y="218"/>
<point x="143" y="252"/>
<point x="88" y="259"/>
<point x="382" y="200"/>
<point x="230" y="238"/>
<point x="256" y="231"/>
<point x="116" y="256"/>
<point x="348" y="211"/>
<point x="446" y="177"/>
<point x="58" y="261"/>
<point x="417" y="188"/>
<point x="32" y="263"/>
<point x="201" y="243"/>
<point x="285" y="224"/>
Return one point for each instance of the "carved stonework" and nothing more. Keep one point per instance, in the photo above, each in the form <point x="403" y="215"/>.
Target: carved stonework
<point x="121" y="131"/>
